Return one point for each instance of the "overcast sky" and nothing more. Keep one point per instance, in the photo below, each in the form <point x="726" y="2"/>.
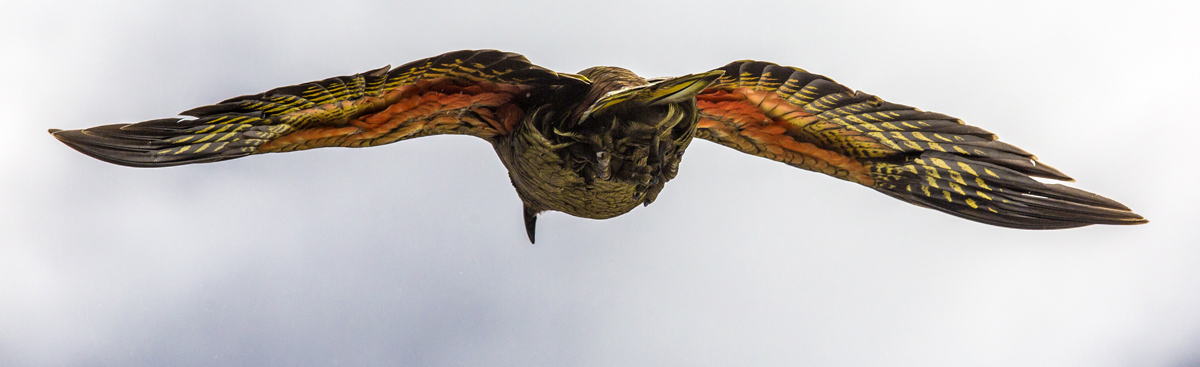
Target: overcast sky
<point x="414" y="253"/>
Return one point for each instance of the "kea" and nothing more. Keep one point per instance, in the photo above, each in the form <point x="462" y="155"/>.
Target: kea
<point x="598" y="143"/>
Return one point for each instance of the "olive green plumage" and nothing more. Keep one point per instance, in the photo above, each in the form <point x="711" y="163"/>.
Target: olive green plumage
<point x="599" y="143"/>
<point x="602" y="157"/>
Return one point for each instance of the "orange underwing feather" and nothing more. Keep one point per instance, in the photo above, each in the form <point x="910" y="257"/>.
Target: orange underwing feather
<point x="602" y="142"/>
<point x="740" y="120"/>
<point x="464" y="92"/>
<point x="925" y="158"/>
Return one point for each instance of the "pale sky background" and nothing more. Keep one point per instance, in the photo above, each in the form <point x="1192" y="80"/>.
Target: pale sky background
<point x="414" y="253"/>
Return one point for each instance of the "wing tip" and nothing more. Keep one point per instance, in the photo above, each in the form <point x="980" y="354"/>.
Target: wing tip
<point x="1045" y="170"/>
<point x="81" y="142"/>
<point x="1004" y="196"/>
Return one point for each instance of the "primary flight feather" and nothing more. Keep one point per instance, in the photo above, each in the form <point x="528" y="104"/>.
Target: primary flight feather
<point x="598" y="143"/>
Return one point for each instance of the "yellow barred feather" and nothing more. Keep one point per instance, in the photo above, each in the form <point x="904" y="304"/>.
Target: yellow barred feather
<point x="321" y="113"/>
<point x="925" y="158"/>
<point x="605" y="141"/>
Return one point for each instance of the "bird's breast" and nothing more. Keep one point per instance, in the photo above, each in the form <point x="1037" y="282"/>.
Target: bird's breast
<point x="544" y="181"/>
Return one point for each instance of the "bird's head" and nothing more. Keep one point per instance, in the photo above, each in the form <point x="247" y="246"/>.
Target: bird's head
<point x="635" y="131"/>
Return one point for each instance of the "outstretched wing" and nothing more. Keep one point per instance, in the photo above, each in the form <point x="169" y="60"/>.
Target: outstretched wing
<point x="925" y="158"/>
<point x="481" y="93"/>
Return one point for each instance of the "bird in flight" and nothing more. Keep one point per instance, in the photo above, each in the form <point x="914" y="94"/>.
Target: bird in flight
<point x="598" y="143"/>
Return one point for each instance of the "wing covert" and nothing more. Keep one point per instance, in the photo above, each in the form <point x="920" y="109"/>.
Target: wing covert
<point x="925" y="158"/>
<point x="480" y="93"/>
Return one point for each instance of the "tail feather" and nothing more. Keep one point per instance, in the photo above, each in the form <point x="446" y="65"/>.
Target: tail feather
<point x="995" y="192"/>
